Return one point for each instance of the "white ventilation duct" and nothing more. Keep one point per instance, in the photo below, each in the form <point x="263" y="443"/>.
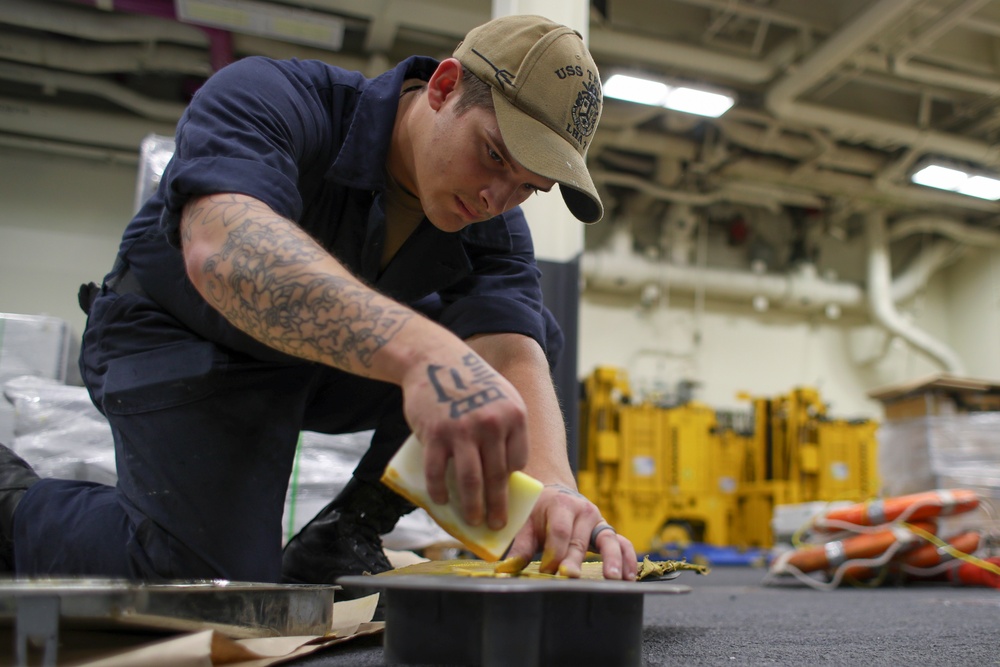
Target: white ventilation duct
<point x="883" y="310"/>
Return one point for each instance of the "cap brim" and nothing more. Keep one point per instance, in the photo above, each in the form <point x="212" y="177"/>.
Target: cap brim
<point x="540" y="150"/>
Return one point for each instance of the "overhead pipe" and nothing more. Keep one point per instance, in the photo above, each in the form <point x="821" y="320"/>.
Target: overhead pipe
<point x="70" y="150"/>
<point x="958" y="231"/>
<point x="781" y="99"/>
<point x="79" y="126"/>
<point x="95" y="26"/>
<point x="92" y="58"/>
<point x="120" y="95"/>
<point x="220" y="42"/>
<point x="753" y="194"/>
<point x="617" y="268"/>
<point x="918" y="272"/>
<point x="882" y="308"/>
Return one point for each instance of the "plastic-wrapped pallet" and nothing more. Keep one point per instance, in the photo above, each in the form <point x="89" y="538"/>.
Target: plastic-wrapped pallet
<point x="38" y="345"/>
<point x="942" y="452"/>
<point x="59" y="431"/>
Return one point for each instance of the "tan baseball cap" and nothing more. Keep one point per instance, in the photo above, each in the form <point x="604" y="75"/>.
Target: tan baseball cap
<point x="547" y="95"/>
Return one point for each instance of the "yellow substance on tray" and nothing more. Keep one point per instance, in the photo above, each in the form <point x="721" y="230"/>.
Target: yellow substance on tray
<point x="590" y="569"/>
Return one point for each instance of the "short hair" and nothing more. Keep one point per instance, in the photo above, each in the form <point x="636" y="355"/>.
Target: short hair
<point x="475" y="93"/>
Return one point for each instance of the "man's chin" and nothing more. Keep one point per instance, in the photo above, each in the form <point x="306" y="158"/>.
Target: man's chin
<point x="450" y="225"/>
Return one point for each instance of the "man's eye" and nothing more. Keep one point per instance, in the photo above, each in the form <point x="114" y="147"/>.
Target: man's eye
<point x="494" y="155"/>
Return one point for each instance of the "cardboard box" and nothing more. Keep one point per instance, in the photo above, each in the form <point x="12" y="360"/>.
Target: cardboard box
<point x="938" y="395"/>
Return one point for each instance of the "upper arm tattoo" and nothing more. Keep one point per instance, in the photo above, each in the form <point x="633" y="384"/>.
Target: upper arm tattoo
<point x="264" y="280"/>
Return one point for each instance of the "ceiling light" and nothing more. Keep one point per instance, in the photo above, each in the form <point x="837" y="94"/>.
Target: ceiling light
<point x="259" y="18"/>
<point x="957" y="180"/>
<point x="676" y="97"/>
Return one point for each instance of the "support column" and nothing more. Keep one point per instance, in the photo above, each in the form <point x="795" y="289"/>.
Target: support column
<point x="558" y="236"/>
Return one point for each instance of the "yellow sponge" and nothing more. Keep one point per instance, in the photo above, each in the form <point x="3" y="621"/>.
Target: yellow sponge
<point x="405" y="476"/>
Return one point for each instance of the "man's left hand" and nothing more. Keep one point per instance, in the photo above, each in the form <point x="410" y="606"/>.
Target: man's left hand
<point x="561" y="526"/>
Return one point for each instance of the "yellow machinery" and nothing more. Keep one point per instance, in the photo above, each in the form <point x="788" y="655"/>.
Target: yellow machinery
<point x="797" y="455"/>
<point x="662" y="475"/>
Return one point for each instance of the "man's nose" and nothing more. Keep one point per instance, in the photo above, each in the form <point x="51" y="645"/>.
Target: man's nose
<point x="500" y="195"/>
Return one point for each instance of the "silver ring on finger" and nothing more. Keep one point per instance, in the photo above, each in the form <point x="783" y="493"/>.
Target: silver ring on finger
<point x="598" y="529"/>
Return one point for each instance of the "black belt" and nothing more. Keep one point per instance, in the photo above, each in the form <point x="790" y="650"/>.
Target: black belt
<point x="123" y="282"/>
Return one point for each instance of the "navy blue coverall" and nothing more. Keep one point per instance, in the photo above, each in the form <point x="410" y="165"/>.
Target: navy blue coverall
<point x="206" y="419"/>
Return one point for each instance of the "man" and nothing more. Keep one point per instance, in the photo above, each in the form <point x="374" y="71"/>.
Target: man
<point x="331" y="253"/>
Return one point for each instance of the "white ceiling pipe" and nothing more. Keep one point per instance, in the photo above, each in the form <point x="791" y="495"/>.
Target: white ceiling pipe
<point x="941" y="24"/>
<point x="947" y="78"/>
<point x="757" y="12"/>
<point x="98" y="26"/>
<point x="882" y="308"/>
<point x="79" y="126"/>
<point x="94" y="58"/>
<point x="604" y="43"/>
<point x="835" y="50"/>
<point x="769" y="196"/>
<point x="70" y="150"/>
<point x="953" y="229"/>
<point x="918" y="273"/>
<point x="781" y="98"/>
<point x="800" y="147"/>
<point x="607" y="44"/>
<point x="51" y="80"/>
<point x="617" y="268"/>
<point x="837" y="184"/>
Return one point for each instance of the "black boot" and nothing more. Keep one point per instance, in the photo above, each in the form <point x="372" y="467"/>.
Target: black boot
<point x="345" y="537"/>
<point x="15" y="478"/>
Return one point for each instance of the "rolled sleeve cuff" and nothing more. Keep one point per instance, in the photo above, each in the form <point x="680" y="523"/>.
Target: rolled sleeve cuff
<point x="492" y="314"/>
<point x="206" y="176"/>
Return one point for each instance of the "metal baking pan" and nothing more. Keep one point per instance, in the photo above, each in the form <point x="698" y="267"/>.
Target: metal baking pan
<point x="237" y="609"/>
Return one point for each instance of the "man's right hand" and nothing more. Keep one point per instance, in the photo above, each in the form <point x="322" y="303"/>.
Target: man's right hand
<point x="462" y="410"/>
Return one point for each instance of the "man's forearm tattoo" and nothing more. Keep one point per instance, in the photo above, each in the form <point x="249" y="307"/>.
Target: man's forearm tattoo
<point x="261" y="281"/>
<point x="467" y="388"/>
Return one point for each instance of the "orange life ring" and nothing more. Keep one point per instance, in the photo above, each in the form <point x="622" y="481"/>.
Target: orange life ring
<point x="924" y="556"/>
<point x="929" y="555"/>
<point x="917" y="506"/>
<point x="969" y="574"/>
<point x="833" y="554"/>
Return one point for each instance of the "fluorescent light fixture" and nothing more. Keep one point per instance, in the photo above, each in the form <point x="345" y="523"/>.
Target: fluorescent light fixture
<point x="678" y="98"/>
<point x="259" y="18"/>
<point x="956" y="180"/>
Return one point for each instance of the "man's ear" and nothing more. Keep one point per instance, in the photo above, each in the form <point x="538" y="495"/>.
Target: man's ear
<point x="444" y="82"/>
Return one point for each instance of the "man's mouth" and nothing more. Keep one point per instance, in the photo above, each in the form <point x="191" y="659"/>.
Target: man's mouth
<point x="466" y="212"/>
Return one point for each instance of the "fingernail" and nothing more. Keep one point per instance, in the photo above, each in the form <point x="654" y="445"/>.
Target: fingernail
<point x="631" y="576"/>
<point x="496" y="523"/>
<point x="614" y="573"/>
<point x="567" y="571"/>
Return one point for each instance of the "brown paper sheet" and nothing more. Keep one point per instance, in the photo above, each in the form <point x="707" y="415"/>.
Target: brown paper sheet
<point x="351" y="618"/>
